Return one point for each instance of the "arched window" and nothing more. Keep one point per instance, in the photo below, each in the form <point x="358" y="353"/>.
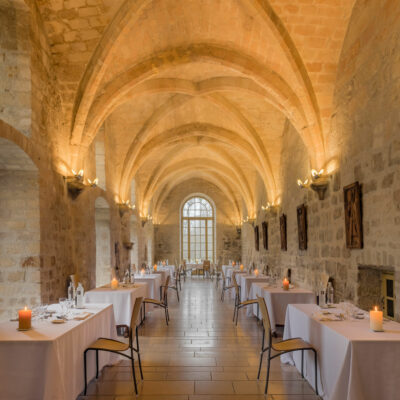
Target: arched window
<point x="197" y="234"/>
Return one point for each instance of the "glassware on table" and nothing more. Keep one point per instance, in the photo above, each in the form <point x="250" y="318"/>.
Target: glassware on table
<point x="63" y="302"/>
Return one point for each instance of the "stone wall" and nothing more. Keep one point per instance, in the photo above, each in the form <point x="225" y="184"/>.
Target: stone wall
<point x="364" y="144"/>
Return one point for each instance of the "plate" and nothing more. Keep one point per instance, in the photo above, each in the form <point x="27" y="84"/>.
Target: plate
<point x="57" y="321"/>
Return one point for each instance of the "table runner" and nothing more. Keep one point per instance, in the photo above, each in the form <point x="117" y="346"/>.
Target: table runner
<point x="354" y="362"/>
<point x="46" y="363"/>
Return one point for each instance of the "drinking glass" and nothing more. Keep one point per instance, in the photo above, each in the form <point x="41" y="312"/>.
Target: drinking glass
<point x="63" y="305"/>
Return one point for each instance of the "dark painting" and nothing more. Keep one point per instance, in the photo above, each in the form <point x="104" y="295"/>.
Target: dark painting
<point x="353" y="216"/>
<point x="257" y="238"/>
<point x="282" y="224"/>
<point x="265" y="235"/>
<point x="302" y="226"/>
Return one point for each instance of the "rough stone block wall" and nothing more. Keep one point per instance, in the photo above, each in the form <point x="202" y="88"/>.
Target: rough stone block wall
<point x="19" y="241"/>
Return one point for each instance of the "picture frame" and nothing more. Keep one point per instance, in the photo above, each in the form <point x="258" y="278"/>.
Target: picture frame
<point x="257" y="238"/>
<point x="264" y="226"/>
<point x="353" y="216"/>
<point x="302" y="226"/>
<point x="282" y="226"/>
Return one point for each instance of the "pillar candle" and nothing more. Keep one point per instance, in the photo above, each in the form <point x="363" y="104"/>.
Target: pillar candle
<point x="376" y="320"/>
<point x="24" y="318"/>
<point x="285" y="284"/>
<point x="241" y="267"/>
<point x="142" y="272"/>
<point x="155" y="267"/>
<point x="114" y="284"/>
<point x="256" y="272"/>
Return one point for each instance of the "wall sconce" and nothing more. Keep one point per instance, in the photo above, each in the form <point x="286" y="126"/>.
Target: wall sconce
<point x="76" y="183"/>
<point x="249" y="220"/>
<point x="319" y="182"/>
<point x="269" y="206"/>
<point x="128" y="245"/>
<point x="146" y="219"/>
<point x="125" y="207"/>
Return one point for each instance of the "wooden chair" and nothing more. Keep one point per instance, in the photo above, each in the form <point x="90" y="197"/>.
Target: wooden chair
<point x="174" y="285"/>
<point x="183" y="270"/>
<point x="224" y="286"/>
<point x="206" y="268"/>
<point x="163" y="302"/>
<point x="282" y="347"/>
<point x="238" y="303"/>
<point x="218" y="275"/>
<point x="115" y="346"/>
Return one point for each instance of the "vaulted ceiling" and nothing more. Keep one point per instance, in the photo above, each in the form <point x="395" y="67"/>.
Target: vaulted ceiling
<point x="196" y="88"/>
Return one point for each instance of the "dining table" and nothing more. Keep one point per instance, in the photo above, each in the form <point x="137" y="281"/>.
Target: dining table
<point x="123" y="299"/>
<point x="163" y="272"/>
<point x="46" y="362"/>
<point x="277" y="300"/>
<point x="354" y="362"/>
<point x="245" y="281"/>
<point x="153" y="284"/>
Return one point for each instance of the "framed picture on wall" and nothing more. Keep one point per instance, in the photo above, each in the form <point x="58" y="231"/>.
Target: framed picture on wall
<point x="353" y="216"/>
<point x="302" y="226"/>
<point x="265" y="234"/>
<point x="282" y="225"/>
<point x="257" y="238"/>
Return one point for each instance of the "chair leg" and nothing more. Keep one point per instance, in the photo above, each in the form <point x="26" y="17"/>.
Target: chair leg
<point x="261" y="354"/>
<point x="138" y="354"/>
<point x="177" y="293"/>
<point x="85" y="371"/>
<point x="237" y="315"/>
<point x="97" y="364"/>
<point x="302" y="364"/>
<point x="268" y="368"/>
<point x="133" y="371"/>
<point x="316" y="373"/>
<point x="166" y="315"/>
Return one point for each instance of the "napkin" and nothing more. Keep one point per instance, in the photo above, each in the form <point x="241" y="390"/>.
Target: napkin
<point x="82" y="316"/>
<point x="327" y="316"/>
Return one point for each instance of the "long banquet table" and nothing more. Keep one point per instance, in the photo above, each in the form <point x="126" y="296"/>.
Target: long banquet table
<point x="354" y="362"/>
<point x="123" y="299"/>
<point x="278" y="299"/>
<point x="46" y="363"/>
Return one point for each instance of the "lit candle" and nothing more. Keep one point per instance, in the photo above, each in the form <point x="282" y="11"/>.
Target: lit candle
<point x="256" y="272"/>
<point x="376" y="320"/>
<point x="285" y="284"/>
<point x="24" y="319"/>
<point x="233" y="263"/>
<point x="241" y="267"/>
<point x="142" y="272"/>
<point x="155" y="267"/>
<point x="114" y="284"/>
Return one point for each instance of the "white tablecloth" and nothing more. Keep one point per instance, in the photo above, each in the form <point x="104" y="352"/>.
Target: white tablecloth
<point x="245" y="281"/>
<point x="153" y="284"/>
<point x="123" y="299"/>
<point x="46" y="363"/>
<point x="277" y="301"/>
<point x="163" y="273"/>
<point x="355" y="363"/>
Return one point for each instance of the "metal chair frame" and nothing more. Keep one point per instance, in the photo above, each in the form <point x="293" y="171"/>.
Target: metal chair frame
<point x="128" y="329"/>
<point x="224" y="287"/>
<point x="238" y="303"/>
<point x="163" y="302"/>
<point x="267" y="327"/>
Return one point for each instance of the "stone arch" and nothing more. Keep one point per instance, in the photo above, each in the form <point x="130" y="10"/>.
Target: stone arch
<point x="103" y="241"/>
<point x="20" y="233"/>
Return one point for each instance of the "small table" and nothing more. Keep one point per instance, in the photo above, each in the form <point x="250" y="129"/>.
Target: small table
<point x="277" y="301"/>
<point x="353" y="361"/>
<point x="245" y="281"/>
<point x="47" y="362"/>
<point x="123" y="299"/>
<point x="163" y="273"/>
<point x="153" y="284"/>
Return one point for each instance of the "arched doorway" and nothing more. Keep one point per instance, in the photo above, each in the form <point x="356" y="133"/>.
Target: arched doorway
<point x="19" y="230"/>
<point x="103" y="242"/>
<point x="197" y="229"/>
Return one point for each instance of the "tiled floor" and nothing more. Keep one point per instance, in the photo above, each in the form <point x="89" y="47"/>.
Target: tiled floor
<point x="201" y="355"/>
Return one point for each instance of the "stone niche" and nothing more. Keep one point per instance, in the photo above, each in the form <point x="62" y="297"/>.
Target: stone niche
<point x="369" y="285"/>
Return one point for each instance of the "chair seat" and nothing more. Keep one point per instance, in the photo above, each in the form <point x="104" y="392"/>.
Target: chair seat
<point x="248" y="302"/>
<point x="154" y="301"/>
<point x="291" y="345"/>
<point x="109" y="345"/>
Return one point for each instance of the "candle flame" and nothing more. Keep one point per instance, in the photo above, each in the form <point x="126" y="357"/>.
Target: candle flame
<point x="26" y="308"/>
<point x="375" y="308"/>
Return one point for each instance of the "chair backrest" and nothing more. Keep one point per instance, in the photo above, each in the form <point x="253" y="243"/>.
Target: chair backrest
<point x="265" y="317"/>
<point x="235" y="284"/>
<point x="223" y="276"/>
<point x="164" y="292"/>
<point x="206" y="264"/>
<point x="135" y="316"/>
